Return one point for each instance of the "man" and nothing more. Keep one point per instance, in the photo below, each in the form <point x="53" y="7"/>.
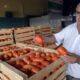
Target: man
<point x="70" y="38"/>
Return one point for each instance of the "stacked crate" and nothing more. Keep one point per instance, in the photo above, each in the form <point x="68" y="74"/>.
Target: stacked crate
<point x="6" y="37"/>
<point x="24" y="34"/>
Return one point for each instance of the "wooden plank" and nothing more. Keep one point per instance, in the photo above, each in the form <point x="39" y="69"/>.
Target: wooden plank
<point x="5" y="36"/>
<point x="6" y="42"/>
<point x="56" y="74"/>
<point x="12" y="72"/>
<point x="24" y="39"/>
<point x="61" y="76"/>
<point x="24" y="34"/>
<point x="5" y="31"/>
<point x="26" y="29"/>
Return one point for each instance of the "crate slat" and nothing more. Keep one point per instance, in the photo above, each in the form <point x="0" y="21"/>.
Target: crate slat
<point x="11" y="72"/>
<point x="61" y="77"/>
<point x="55" y="75"/>
<point x="6" y="42"/>
<point x="25" y="34"/>
<point x="4" y="36"/>
<point x="24" y="39"/>
<point x="26" y="29"/>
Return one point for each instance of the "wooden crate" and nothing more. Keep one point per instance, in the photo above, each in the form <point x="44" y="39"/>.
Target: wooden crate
<point x="6" y="37"/>
<point x="46" y="30"/>
<point x="15" y="74"/>
<point x="24" y="34"/>
<point x="37" y="30"/>
<point x="56" y="29"/>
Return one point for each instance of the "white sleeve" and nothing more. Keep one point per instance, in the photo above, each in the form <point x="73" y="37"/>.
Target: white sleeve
<point x="60" y="36"/>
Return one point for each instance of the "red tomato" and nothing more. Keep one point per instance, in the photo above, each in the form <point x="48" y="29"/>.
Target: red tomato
<point x="26" y="60"/>
<point x="45" y="63"/>
<point x="35" y="63"/>
<point x="35" y="69"/>
<point x="38" y="53"/>
<point x="6" y="57"/>
<point x="39" y="39"/>
<point x="32" y="55"/>
<point x="37" y="59"/>
<point x="27" y="66"/>
<point x="43" y="54"/>
<point x="62" y="51"/>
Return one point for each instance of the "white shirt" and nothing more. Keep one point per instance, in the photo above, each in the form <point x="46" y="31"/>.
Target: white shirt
<point x="70" y="38"/>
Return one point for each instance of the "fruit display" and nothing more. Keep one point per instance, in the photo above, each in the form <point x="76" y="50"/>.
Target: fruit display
<point x="8" y="48"/>
<point x="34" y="62"/>
<point x="14" y="53"/>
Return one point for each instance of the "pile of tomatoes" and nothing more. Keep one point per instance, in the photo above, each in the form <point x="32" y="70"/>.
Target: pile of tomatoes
<point x="34" y="62"/>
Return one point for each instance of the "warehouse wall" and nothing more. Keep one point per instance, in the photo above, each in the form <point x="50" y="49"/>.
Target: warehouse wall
<point x="14" y="6"/>
<point x="35" y="7"/>
<point x="23" y="7"/>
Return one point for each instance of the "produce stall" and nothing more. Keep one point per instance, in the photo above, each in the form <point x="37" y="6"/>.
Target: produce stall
<point x="40" y="64"/>
<point x="28" y="62"/>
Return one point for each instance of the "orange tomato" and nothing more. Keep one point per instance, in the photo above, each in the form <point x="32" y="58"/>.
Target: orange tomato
<point x="35" y="69"/>
<point x="32" y="55"/>
<point x="37" y="59"/>
<point x="26" y="60"/>
<point x="62" y="51"/>
<point x="39" y="39"/>
<point x="45" y="63"/>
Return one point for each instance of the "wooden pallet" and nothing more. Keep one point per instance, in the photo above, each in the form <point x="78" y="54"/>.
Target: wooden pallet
<point x="24" y="34"/>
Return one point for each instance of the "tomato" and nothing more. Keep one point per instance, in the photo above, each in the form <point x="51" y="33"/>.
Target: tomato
<point x="16" y="55"/>
<point x="41" y="66"/>
<point x="32" y="55"/>
<point x="35" y="69"/>
<point x="6" y="57"/>
<point x="62" y="51"/>
<point x="35" y="63"/>
<point x="38" y="53"/>
<point x="10" y="54"/>
<point x="20" y="62"/>
<point x="45" y="63"/>
<point x="48" y="58"/>
<point x="27" y="66"/>
<point x="54" y="58"/>
<point x="37" y="59"/>
<point x="43" y="54"/>
<point x="26" y="60"/>
<point x="48" y="54"/>
<point x="39" y="39"/>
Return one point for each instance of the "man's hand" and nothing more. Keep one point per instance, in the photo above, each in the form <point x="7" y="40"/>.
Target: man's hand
<point x="69" y="59"/>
